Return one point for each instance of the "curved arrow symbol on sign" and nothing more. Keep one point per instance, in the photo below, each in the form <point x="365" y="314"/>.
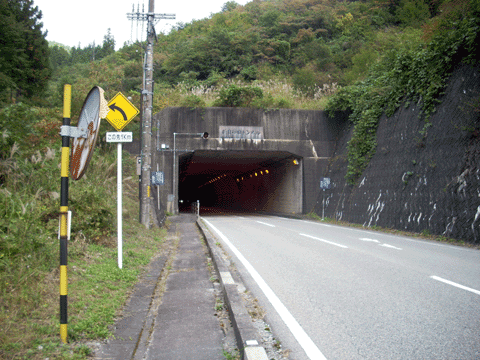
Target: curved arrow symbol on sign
<point x="113" y="107"/>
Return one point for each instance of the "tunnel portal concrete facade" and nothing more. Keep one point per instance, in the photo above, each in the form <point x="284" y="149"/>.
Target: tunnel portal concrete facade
<point x="251" y="160"/>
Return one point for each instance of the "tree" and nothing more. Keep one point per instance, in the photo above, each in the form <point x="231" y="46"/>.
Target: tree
<point x="59" y="57"/>
<point x="108" y="46"/>
<point x="229" y="6"/>
<point x="24" y="52"/>
<point x="412" y="13"/>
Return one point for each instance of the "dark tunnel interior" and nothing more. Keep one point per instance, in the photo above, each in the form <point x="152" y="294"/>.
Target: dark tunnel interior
<point x="240" y="181"/>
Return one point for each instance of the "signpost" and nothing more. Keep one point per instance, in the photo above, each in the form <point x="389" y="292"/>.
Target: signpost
<point x="324" y="185"/>
<point x="84" y="136"/>
<point x="122" y="111"/>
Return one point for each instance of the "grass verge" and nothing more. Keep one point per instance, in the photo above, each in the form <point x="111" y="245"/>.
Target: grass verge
<point x="97" y="288"/>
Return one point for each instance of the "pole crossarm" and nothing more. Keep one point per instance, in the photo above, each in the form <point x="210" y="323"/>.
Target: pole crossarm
<point x="144" y="16"/>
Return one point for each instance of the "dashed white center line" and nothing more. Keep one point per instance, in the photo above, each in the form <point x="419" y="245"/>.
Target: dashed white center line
<point x="455" y="284"/>
<point x="369" y="240"/>
<point x="261" y="222"/>
<point x="378" y="242"/>
<point x="390" y="246"/>
<point x="325" y="241"/>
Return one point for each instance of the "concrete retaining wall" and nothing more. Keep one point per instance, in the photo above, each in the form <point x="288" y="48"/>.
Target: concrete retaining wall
<point x="425" y="184"/>
<point x="310" y="135"/>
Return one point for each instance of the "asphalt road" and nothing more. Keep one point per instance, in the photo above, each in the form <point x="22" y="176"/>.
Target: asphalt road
<point x="333" y="292"/>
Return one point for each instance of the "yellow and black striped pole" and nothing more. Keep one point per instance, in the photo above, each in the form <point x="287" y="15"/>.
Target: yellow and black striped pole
<point x="67" y="94"/>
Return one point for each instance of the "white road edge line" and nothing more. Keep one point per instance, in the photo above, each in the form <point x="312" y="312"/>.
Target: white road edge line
<point x="261" y="222"/>
<point x="315" y="223"/>
<point x="303" y="339"/>
<point x="455" y="284"/>
<point x="325" y="241"/>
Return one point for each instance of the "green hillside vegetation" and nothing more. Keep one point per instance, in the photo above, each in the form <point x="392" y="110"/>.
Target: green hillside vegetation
<point x="366" y="57"/>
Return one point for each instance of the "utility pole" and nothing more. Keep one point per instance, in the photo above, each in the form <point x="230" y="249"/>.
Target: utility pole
<point x="147" y="112"/>
<point x="147" y="95"/>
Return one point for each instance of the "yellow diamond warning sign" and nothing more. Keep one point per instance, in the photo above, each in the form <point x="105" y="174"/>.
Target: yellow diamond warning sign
<point x="122" y="111"/>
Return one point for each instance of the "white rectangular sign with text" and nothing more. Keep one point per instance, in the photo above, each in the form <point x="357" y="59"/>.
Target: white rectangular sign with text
<point x="119" y="136"/>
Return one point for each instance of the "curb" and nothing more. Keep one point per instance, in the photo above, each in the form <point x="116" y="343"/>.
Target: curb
<point x="248" y="341"/>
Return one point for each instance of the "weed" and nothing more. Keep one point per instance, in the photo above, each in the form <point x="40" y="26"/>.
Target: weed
<point x="426" y="233"/>
<point x="314" y="216"/>
<point x="218" y="305"/>
<point x="277" y="344"/>
<point x="233" y="355"/>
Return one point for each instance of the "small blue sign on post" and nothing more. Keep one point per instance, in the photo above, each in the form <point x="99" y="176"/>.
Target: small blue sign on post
<point x="157" y="178"/>
<point x="325" y="183"/>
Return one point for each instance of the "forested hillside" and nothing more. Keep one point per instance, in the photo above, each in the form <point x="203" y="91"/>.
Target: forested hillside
<point x="296" y="52"/>
<point x="278" y="54"/>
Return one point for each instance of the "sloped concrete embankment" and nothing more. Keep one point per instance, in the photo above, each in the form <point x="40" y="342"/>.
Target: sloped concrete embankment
<point x="418" y="183"/>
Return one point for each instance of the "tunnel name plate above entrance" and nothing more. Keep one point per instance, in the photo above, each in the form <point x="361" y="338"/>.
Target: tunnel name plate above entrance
<point x="241" y="132"/>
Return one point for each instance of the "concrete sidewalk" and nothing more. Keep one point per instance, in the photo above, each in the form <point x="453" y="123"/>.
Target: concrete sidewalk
<point x="186" y="325"/>
<point x="171" y="314"/>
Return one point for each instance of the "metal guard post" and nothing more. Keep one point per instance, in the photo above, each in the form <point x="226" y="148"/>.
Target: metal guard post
<point x="65" y="160"/>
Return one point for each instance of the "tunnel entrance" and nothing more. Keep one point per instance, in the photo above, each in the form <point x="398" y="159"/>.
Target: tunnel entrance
<point x="241" y="181"/>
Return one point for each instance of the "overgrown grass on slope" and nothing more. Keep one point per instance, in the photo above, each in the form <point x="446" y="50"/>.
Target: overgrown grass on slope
<point x="404" y="75"/>
<point x="29" y="251"/>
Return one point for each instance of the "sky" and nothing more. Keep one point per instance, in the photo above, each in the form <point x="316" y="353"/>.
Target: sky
<point x="72" y="22"/>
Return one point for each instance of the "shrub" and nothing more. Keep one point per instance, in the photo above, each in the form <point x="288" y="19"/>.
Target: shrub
<point x="250" y="73"/>
<point x="16" y="123"/>
<point x="304" y="81"/>
<point x="236" y="96"/>
<point x="193" y="101"/>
